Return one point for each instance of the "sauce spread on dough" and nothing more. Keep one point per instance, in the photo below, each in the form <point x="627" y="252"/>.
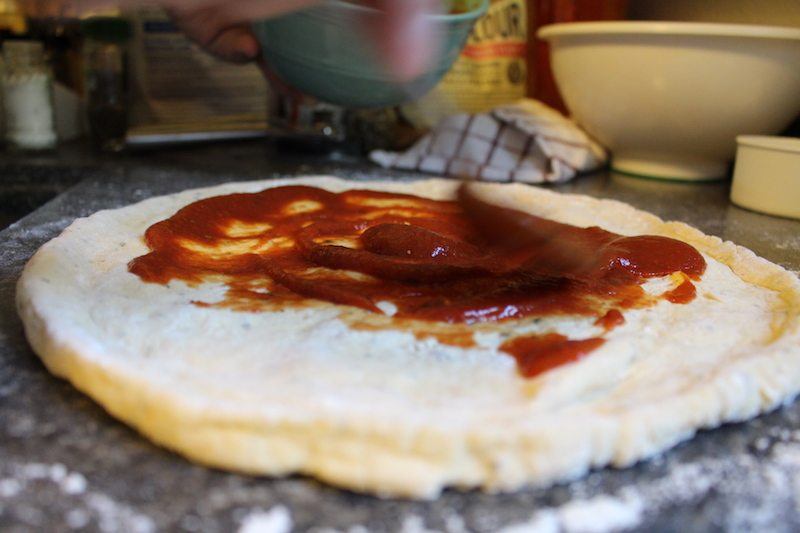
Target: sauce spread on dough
<point x="455" y="263"/>
<point x="683" y="293"/>
<point x="539" y="353"/>
<point x="610" y="320"/>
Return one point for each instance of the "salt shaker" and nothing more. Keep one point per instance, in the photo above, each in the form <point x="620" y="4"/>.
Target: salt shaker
<point x="28" y="96"/>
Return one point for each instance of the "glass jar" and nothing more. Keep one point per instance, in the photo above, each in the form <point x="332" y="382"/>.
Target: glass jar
<point x="105" y="59"/>
<point x="28" y="96"/>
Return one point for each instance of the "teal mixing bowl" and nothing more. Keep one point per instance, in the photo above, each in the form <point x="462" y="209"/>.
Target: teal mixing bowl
<point x="324" y="52"/>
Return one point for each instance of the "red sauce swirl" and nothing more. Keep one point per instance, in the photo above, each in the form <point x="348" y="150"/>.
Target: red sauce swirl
<point x="456" y="262"/>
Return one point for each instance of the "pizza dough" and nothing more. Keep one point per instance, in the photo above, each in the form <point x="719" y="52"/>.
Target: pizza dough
<point x="382" y="411"/>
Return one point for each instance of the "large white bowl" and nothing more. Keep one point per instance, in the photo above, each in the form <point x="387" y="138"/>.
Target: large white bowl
<point x="669" y="98"/>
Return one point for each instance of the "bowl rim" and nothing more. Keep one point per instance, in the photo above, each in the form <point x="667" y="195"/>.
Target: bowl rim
<point x="439" y="17"/>
<point x="650" y="28"/>
<point x="774" y="143"/>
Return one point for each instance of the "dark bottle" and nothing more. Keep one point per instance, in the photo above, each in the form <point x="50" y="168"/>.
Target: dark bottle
<point x="105" y="59"/>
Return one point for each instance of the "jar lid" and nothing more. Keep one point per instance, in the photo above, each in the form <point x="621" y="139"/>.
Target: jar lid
<point x="107" y="29"/>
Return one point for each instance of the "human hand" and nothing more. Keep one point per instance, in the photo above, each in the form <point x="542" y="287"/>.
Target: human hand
<point x="401" y="35"/>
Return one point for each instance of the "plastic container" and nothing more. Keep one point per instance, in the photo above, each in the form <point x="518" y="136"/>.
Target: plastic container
<point x="766" y="177"/>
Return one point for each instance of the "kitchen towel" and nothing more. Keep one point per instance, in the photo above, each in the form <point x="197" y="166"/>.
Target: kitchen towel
<point x="525" y="141"/>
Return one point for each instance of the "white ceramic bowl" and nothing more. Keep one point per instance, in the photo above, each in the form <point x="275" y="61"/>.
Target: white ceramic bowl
<point x="669" y="98"/>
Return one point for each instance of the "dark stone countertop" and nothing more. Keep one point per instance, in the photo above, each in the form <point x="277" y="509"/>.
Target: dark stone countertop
<point x="66" y="465"/>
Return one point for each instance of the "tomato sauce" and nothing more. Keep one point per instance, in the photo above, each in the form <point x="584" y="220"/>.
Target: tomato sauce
<point x="463" y="262"/>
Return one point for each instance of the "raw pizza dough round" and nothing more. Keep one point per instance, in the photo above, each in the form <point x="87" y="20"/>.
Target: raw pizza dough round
<point x="382" y="411"/>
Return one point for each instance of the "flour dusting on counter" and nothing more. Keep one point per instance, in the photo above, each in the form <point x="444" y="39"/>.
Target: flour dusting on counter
<point x="276" y="520"/>
<point x="595" y="515"/>
<point x="19" y="480"/>
<point x="751" y="483"/>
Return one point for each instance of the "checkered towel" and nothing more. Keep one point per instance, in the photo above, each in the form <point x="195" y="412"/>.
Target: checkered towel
<point x="526" y="141"/>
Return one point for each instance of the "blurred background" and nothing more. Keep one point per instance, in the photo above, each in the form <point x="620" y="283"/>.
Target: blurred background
<point x="121" y="79"/>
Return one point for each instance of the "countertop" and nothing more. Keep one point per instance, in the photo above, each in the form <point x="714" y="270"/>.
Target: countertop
<point x="66" y="465"/>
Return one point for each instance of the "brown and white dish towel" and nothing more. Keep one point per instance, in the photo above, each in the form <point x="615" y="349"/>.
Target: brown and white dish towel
<point x="526" y="141"/>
